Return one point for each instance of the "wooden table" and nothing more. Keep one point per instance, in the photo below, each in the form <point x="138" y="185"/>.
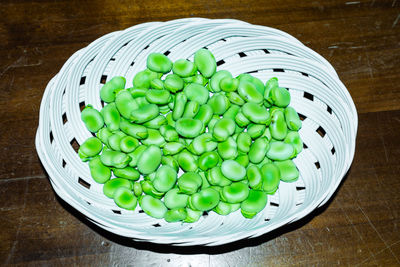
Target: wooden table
<point x="359" y="226"/>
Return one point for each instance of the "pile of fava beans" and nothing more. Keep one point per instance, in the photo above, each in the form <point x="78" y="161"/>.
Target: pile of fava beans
<point x="230" y="139"/>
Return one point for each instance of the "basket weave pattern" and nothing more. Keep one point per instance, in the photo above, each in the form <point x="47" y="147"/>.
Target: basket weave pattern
<point x="328" y="132"/>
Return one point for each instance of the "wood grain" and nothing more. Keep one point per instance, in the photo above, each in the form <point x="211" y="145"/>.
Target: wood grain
<point x="359" y="226"/>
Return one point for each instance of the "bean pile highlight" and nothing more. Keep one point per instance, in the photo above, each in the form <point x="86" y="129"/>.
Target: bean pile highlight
<point x="232" y="139"/>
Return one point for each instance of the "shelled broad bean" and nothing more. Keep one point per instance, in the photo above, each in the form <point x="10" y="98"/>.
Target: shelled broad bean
<point x="232" y="139"/>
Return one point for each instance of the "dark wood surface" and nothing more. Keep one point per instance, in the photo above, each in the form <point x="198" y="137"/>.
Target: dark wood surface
<point x="359" y="226"/>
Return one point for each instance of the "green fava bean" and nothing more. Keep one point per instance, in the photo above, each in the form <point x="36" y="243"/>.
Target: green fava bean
<point x="271" y="83"/>
<point x="227" y="149"/>
<point x="144" y="113"/>
<point x="204" y="114"/>
<point x="187" y="161"/>
<point x="255" y="202"/>
<point x="238" y="129"/>
<point x="154" y="138"/>
<point x="170" y="120"/>
<point x="153" y="206"/>
<point x="156" y="123"/>
<point x="208" y="160"/>
<point x="192" y="215"/>
<point x="241" y="120"/>
<point x="204" y="143"/>
<point x="142" y="79"/>
<point x="280" y="96"/>
<point x="135" y="155"/>
<point x="157" y="84"/>
<point x="141" y="101"/>
<point x="132" y="129"/>
<point x="99" y="172"/>
<point x="228" y="84"/>
<point x="267" y="134"/>
<point x="254" y="176"/>
<point x="232" y="112"/>
<point x="173" y="83"/>
<point x="256" y="113"/>
<point x="149" y="160"/>
<point x="184" y="68"/>
<point x="125" y="103"/>
<point x="216" y="177"/>
<point x="115" y="159"/>
<point x="280" y="151"/>
<point x="137" y="189"/>
<point x="224" y="128"/>
<point x="172" y="148"/>
<point x="179" y="106"/>
<point x="107" y="92"/>
<point x="266" y="104"/>
<point x="204" y="183"/>
<point x="175" y="215"/>
<point x="219" y="103"/>
<point x="294" y="139"/>
<point x="114" y="140"/>
<point x="288" y="170"/>
<point x="112" y="185"/>
<point x="196" y="92"/>
<point x="256" y="130"/>
<point x="263" y="162"/>
<point x="159" y="63"/>
<point x="125" y="198"/>
<point x="137" y="92"/>
<point x="165" y="178"/>
<point x="111" y="116"/>
<point x="150" y="177"/>
<point x="235" y="192"/>
<point x="171" y="103"/>
<point x="198" y="79"/>
<point x="159" y="97"/>
<point x="170" y="161"/>
<point x="243" y="159"/>
<point x="191" y="109"/>
<point x="174" y="200"/>
<point x="236" y="99"/>
<point x="189" y="182"/>
<point x="169" y="133"/>
<point x="92" y="119"/>
<point x="216" y="79"/>
<point x="223" y="208"/>
<point x="219" y="188"/>
<point x="233" y="170"/>
<point x="205" y="62"/>
<point x="278" y="127"/>
<point x="127" y="173"/>
<point x="254" y="80"/>
<point x="292" y="119"/>
<point x="90" y="148"/>
<point x="103" y="134"/>
<point x="188" y="127"/>
<point x="249" y="92"/>
<point x="148" y="189"/>
<point x="244" y="142"/>
<point x="270" y="177"/>
<point x="205" y="200"/>
<point x="258" y="150"/>
<point x="212" y="122"/>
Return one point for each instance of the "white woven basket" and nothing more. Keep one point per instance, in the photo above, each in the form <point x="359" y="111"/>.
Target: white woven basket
<point x="329" y="128"/>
